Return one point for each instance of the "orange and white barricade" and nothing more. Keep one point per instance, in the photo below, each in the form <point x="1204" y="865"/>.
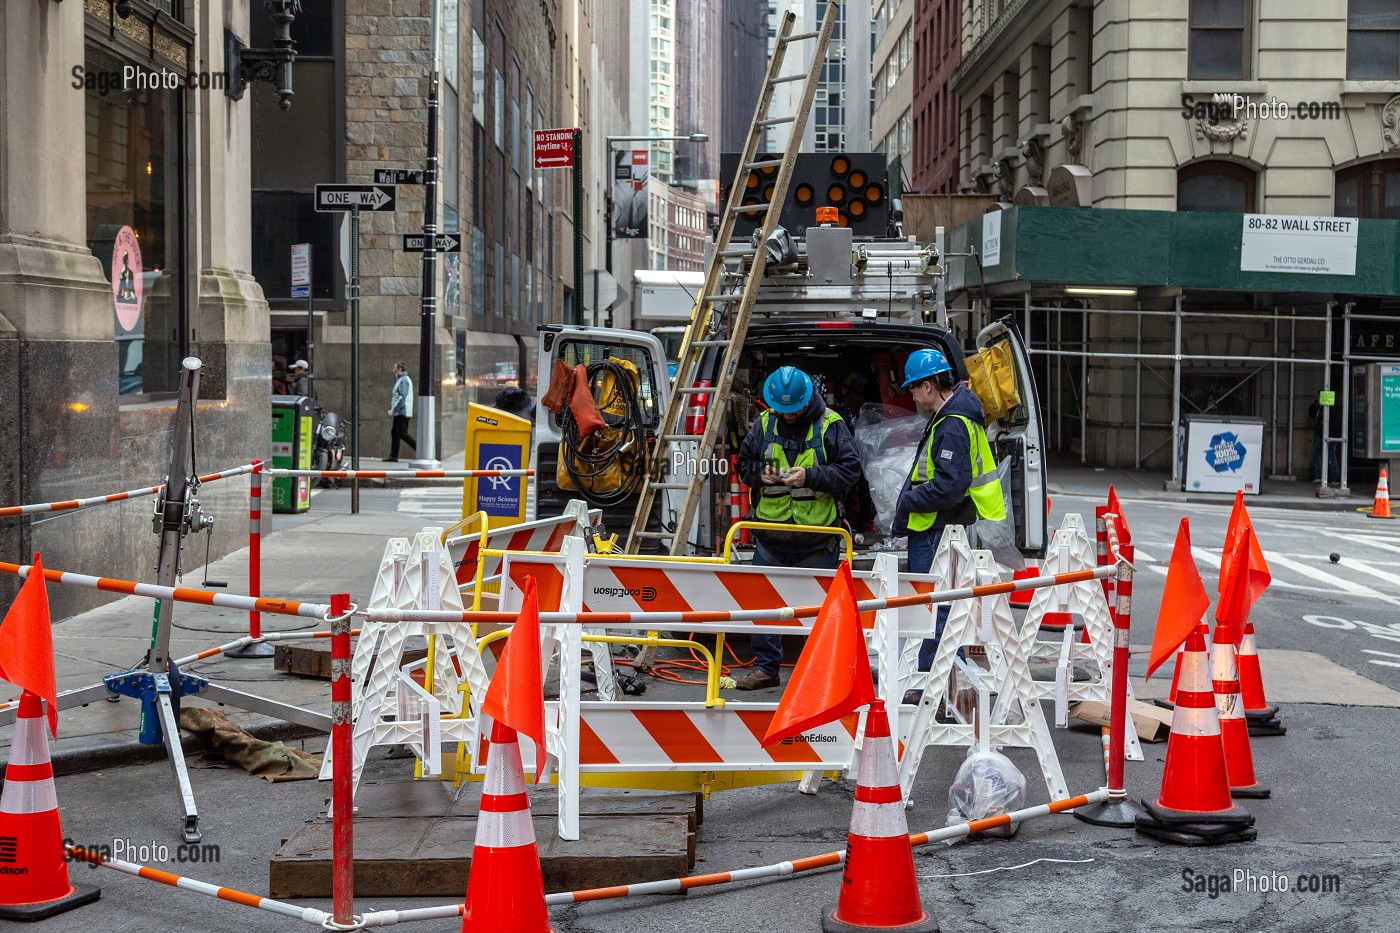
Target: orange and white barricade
<point x="1015" y="719"/>
<point x="479" y="566"/>
<point x="1071" y="550"/>
<point x="635" y="736"/>
<point x="388" y="706"/>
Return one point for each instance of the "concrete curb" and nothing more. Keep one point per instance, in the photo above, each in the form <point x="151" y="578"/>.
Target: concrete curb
<point x="1311" y="504"/>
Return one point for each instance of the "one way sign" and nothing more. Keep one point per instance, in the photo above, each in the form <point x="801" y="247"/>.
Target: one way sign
<point x="443" y="243"/>
<point x="345" y="197"/>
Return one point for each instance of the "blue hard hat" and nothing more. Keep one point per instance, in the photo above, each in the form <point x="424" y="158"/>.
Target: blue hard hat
<point x="922" y="364"/>
<point x="788" y="390"/>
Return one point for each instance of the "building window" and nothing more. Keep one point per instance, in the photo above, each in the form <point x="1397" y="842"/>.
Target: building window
<point x="1223" y="187"/>
<point x="1371" y="189"/>
<point x="478" y="79"/>
<point x="135" y="160"/>
<point x="1217" y="46"/>
<point x="1373" y="39"/>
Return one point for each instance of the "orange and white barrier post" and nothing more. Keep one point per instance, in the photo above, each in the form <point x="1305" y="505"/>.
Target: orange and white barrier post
<point x="34" y="883"/>
<point x="343" y="788"/>
<point x="879" y="889"/>
<point x="257" y="648"/>
<point x="1118" y="810"/>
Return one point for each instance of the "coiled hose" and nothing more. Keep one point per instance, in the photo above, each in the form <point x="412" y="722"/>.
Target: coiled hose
<point x="588" y="461"/>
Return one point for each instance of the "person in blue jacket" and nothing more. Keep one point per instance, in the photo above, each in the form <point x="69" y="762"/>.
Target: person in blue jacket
<point x="801" y="460"/>
<point x="954" y="479"/>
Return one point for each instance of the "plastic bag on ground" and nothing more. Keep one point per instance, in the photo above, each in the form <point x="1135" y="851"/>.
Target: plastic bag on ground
<point x="888" y="439"/>
<point x="988" y="784"/>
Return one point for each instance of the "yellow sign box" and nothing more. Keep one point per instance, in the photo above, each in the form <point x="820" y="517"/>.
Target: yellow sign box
<point x="496" y="440"/>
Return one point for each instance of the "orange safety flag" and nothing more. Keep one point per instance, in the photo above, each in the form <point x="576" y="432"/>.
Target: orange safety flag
<point x="1184" y="601"/>
<point x="1116" y="508"/>
<point x="516" y="695"/>
<point x="832" y="677"/>
<point x="26" y="643"/>
<point x="1244" y="575"/>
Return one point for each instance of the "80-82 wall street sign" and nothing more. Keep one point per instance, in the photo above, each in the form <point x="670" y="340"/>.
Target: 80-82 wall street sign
<point x="346" y="197"/>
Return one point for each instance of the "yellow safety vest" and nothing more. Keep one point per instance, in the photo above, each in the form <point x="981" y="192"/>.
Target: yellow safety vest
<point x="985" y="490"/>
<point x="802" y="506"/>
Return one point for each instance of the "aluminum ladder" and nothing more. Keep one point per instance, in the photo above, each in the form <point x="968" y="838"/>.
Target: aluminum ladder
<point x="725" y="303"/>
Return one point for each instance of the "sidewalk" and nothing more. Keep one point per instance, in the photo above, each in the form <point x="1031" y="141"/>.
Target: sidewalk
<point x="1071" y="479"/>
<point x="306" y="557"/>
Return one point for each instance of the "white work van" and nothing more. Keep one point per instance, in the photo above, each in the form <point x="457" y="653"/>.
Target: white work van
<point x="851" y="333"/>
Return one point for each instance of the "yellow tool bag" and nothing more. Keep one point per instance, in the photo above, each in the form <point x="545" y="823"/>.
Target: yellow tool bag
<point x="992" y="372"/>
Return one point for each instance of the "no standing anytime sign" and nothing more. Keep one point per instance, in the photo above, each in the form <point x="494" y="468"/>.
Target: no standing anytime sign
<point x="554" y="148"/>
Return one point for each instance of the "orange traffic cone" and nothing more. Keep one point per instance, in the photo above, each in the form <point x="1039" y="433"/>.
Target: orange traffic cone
<point x="1023" y="597"/>
<point x="1234" y="734"/>
<point x="1382" y="507"/>
<point x="1261" y="717"/>
<point x="1204" y="631"/>
<point x="505" y="888"/>
<point x="34" y="881"/>
<point x="879" y="890"/>
<point x="1194" y="807"/>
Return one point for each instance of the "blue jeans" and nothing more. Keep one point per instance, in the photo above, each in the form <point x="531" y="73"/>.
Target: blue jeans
<point x="922" y="546"/>
<point x="1334" y="462"/>
<point x="768" y="649"/>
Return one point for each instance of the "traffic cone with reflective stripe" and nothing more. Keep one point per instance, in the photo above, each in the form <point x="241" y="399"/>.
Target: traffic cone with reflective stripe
<point x="1382" y="507"/>
<point x="505" y="888"/>
<point x="1234" y="733"/>
<point x="879" y="890"/>
<point x="1258" y="714"/>
<point x="34" y="881"/>
<point x="1194" y="807"/>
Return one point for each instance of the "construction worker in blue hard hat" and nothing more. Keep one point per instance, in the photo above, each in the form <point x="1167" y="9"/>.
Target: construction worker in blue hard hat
<point x="800" y="458"/>
<point x="954" y="477"/>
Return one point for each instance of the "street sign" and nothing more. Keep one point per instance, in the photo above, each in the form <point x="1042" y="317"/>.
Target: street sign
<point x="301" y="270"/>
<point x="400" y="176"/>
<point x="345" y="197"/>
<point x="554" y="148"/>
<point x="443" y="243"/>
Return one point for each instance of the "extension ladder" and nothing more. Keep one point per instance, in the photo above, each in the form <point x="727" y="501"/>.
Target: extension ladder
<point x="724" y="305"/>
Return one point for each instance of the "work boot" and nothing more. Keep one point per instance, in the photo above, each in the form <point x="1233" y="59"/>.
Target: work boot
<point x="756" y="679"/>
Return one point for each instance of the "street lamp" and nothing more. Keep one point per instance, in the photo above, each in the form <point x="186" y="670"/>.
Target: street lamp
<point x="692" y="138"/>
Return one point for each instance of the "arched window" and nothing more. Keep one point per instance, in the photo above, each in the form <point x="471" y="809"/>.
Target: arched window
<point x="1215" y="186"/>
<point x="1371" y="189"/>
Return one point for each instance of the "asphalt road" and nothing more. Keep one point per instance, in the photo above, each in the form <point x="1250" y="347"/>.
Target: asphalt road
<point x="1333" y="818"/>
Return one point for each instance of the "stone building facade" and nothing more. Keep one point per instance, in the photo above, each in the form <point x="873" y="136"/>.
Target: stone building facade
<point x="124" y="247"/>
<point x="1282" y="108"/>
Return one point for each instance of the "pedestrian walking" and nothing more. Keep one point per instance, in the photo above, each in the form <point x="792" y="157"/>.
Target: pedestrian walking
<point x="803" y="458"/>
<point x="401" y="408"/>
<point x="954" y="477"/>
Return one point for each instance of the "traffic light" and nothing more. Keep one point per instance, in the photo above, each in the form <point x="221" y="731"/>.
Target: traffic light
<point x="855" y="184"/>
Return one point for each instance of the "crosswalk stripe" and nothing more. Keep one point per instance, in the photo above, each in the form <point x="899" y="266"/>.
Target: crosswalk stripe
<point x="1370" y="569"/>
<point x="1356" y="589"/>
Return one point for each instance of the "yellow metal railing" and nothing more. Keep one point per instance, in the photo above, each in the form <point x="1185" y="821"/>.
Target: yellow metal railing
<point x="779" y="526"/>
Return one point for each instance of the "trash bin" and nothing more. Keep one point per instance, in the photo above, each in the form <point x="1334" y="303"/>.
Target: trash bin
<point x="292" y="419"/>
<point x="1220" y="453"/>
<point x="496" y="441"/>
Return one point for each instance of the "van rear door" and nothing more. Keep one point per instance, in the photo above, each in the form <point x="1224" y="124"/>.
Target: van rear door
<point x="589" y="345"/>
<point x="1018" y="433"/>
